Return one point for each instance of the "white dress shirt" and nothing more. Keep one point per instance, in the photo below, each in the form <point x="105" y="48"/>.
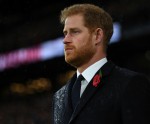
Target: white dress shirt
<point x="89" y="73"/>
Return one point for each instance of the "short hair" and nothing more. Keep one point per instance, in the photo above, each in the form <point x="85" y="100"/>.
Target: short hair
<point x="94" y="17"/>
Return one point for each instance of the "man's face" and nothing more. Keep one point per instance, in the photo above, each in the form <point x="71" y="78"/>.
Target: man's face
<point x="79" y="47"/>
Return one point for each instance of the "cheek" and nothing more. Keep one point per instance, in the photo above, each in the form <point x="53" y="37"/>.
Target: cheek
<point x="78" y="40"/>
<point x="82" y="42"/>
<point x="79" y="43"/>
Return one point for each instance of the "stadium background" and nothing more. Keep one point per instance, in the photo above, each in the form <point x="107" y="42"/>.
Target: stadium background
<point x="28" y="78"/>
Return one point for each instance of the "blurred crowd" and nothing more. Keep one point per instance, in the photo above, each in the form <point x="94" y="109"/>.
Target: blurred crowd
<point x="26" y="110"/>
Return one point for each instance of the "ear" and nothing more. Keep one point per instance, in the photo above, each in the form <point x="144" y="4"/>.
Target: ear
<point x="98" y="36"/>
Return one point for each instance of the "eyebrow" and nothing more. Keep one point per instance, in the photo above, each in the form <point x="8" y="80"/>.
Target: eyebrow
<point x="71" y="29"/>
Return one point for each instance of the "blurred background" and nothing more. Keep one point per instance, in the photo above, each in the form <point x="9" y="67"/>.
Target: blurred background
<point x="32" y="65"/>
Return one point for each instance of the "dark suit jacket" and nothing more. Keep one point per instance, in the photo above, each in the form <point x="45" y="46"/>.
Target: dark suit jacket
<point x="122" y="97"/>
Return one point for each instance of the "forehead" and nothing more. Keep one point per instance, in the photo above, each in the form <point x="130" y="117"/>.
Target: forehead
<point x="74" y="21"/>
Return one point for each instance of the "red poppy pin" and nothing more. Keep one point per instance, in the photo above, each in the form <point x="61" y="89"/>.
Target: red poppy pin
<point x="97" y="79"/>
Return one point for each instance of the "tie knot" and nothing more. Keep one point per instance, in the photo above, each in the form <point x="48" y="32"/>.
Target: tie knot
<point x="80" y="78"/>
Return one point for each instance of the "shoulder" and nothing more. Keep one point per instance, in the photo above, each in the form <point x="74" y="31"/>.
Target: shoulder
<point x="130" y="78"/>
<point x="61" y="92"/>
<point x="116" y="71"/>
<point x="61" y="96"/>
<point x="123" y="76"/>
<point x="65" y="89"/>
<point x="127" y="73"/>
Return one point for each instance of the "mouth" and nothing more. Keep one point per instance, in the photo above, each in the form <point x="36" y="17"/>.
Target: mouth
<point x="68" y="49"/>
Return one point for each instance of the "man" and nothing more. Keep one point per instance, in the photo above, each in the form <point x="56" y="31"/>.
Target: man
<point x="108" y="94"/>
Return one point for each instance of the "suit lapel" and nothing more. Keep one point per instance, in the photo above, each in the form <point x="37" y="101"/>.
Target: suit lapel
<point x="91" y="90"/>
<point x="68" y="103"/>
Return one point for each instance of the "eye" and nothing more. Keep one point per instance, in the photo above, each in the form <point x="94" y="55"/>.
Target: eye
<point x="75" y="32"/>
<point x="65" y="33"/>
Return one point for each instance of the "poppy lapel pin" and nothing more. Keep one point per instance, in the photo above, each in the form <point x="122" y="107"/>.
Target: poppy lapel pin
<point x="97" y="79"/>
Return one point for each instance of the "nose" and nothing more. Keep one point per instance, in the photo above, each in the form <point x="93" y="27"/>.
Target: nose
<point x="67" y="39"/>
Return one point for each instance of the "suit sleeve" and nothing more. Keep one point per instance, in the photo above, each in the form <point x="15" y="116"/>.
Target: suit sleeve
<point x="136" y="101"/>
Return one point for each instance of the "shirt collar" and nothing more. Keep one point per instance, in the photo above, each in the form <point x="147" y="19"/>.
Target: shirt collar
<point x="91" y="70"/>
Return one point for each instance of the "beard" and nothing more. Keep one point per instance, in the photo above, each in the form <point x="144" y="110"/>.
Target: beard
<point x="80" y="56"/>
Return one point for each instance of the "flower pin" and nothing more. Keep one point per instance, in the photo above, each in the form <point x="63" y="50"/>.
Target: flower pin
<point x="97" y="79"/>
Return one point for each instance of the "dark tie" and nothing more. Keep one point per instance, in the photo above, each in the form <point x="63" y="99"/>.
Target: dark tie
<point x="76" y="91"/>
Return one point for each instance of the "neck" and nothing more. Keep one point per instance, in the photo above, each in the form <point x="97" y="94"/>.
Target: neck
<point x="89" y="63"/>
